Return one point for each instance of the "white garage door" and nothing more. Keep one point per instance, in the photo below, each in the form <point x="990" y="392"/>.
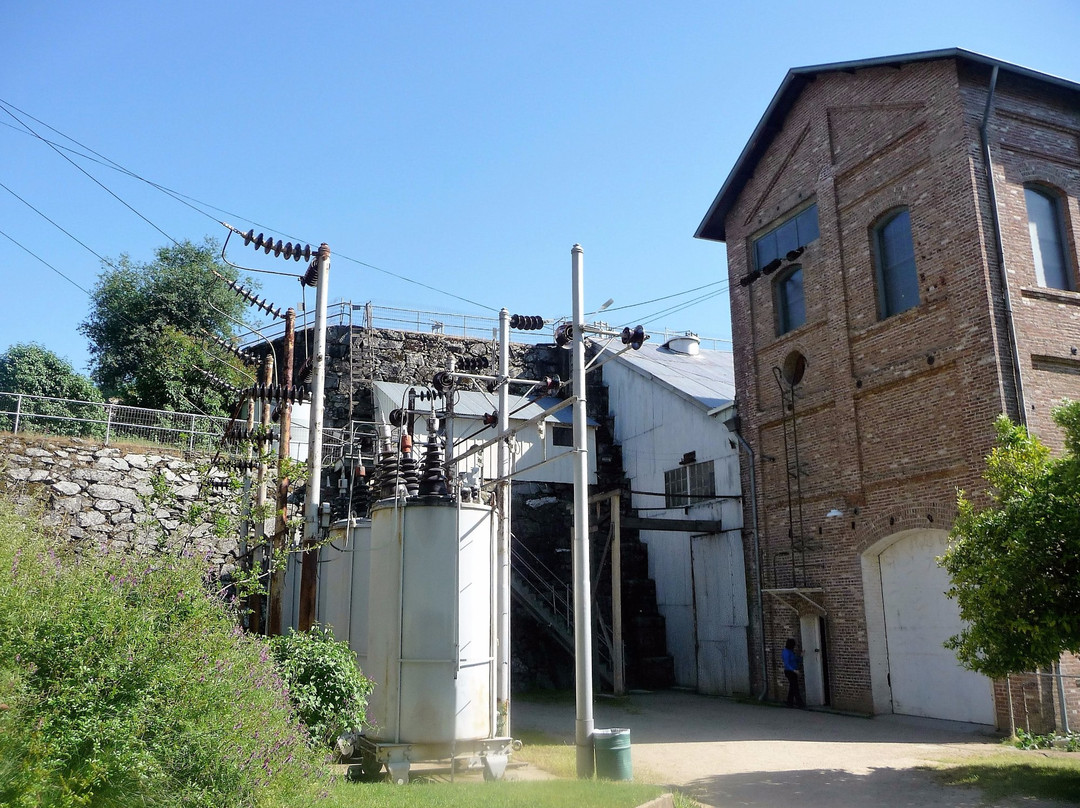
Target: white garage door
<point x="925" y="676"/>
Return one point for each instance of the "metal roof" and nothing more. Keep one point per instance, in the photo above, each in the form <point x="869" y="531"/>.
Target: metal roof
<point x="706" y="379"/>
<point x="712" y="227"/>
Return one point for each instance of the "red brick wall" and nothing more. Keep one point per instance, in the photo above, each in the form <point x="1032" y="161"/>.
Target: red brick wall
<point x="894" y="416"/>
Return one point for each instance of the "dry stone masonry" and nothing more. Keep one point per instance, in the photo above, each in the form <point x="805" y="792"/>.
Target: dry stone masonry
<point x="130" y="500"/>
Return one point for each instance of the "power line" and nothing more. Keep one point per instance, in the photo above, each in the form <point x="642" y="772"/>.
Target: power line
<point x="42" y="260"/>
<point x="183" y="199"/>
<point x="90" y="176"/>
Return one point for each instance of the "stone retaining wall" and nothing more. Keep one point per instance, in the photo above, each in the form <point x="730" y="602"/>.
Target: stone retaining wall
<point x="134" y="500"/>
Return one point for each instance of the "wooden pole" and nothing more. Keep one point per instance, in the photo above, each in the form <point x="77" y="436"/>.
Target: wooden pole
<point x="277" y="578"/>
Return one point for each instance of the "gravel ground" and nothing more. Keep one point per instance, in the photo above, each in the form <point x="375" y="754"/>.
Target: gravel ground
<point x="726" y="753"/>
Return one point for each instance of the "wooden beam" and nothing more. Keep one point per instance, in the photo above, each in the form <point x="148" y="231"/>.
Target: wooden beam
<point x="681" y="525"/>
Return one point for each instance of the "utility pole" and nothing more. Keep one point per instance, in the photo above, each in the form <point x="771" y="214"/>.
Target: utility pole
<point x="310" y="565"/>
<point x="277" y="580"/>
<point x="582" y="592"/>
<point x="503" y="555"/>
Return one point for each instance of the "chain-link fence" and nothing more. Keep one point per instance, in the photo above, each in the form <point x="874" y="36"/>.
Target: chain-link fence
<point x="109" y="423"/>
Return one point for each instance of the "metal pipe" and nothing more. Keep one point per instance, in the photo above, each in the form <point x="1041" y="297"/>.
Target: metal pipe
<point x="310" y="558"/>
<point x="991" y="186"/>
<point x="582" y="597"/>
<point x="503" y="553"/>
<point x="757" y="561"/>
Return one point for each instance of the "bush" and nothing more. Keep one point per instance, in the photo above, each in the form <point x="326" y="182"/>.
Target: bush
<point x="123" y="682"/>
<point x="325" y="684"/>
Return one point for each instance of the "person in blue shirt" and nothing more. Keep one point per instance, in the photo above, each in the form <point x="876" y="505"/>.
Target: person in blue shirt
<point x="792" y="660"/>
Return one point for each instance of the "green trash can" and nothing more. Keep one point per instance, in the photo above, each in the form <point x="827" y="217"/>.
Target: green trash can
<point x="612" y="750"/>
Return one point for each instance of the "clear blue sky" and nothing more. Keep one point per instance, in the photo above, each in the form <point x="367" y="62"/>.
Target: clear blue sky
<point x="465" y="146"/>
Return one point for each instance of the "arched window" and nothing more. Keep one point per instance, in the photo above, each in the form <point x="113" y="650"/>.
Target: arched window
<point x="894" y="252"/>
<point x="790" y="303"/>
<point x="1047" y="244"/>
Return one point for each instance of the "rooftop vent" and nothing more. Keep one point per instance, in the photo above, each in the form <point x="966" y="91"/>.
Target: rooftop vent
<point x="690" y="344"/>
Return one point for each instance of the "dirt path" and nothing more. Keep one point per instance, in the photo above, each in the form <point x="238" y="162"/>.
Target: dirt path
<point x="725" y="753"/>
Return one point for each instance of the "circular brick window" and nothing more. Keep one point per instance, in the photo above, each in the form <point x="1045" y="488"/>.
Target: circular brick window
<point x="793" y="368"/>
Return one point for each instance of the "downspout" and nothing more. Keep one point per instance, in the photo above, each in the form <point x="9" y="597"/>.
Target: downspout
<point x="992" y="189"/>
<point x="757" y="562"/>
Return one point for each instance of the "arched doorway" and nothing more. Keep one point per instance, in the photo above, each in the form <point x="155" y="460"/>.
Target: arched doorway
<point x="908" y="618"/>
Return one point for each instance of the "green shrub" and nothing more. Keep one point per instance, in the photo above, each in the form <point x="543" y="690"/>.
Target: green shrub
<point x="325" y="685"/>
<point x="124" y="682"/>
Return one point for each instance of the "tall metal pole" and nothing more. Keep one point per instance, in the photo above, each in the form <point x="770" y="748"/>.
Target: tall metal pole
<point x="503" y="488"/>
<point x="310" y="567"/>
<point x="582" y="594"/>
<point x="277" y="578"/>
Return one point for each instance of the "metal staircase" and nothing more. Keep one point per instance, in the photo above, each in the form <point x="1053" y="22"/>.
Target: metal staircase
<point x="550" y="600"/>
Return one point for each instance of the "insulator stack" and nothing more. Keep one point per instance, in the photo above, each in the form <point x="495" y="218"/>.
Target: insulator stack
<point x="219" y="484"/>
<point x="246" y="357"/>
<point x="268" y="245"/>
<point x="361" y="494"/>
<point x="311" y="277"/>
<point x="306" y="371"/>
<point x="252" y="298"/>
<point x="491" y="418"/>
<point x="410" y="474"/>
<point x="239" y="463"/>
<point x="389" y="476"/>
<point x="219" y="383"/>
<point x="428" y="394"/>
<point x="434" y="479"/>
<point x="239" y="433"/>
<point x="471" y="364"/>
<point x="526" y="322"/>
<point x="278" y="392"/>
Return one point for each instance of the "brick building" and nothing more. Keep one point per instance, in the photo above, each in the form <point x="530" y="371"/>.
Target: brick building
<point x="902" y="238"/>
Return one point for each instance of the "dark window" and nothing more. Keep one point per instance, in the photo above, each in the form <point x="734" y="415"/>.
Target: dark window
<point x="898" y="283"/>
<point x="689" y="484"/>
<point x="790" y="304"/>
<point x="562" y="436"/>
<point x="1047" y="244"/>
<point x="798" y="231"/>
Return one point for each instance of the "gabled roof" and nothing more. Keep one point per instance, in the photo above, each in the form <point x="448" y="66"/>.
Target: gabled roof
<point x="712" y="227"/>
<point x="707" y="379"/>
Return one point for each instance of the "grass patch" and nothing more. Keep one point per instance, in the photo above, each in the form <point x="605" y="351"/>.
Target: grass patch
<point x="548" y="753"/>
<point x="535" y="794"/>
<point x="1039" y="775"/>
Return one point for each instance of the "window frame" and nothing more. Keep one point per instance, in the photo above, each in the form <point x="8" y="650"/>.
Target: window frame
<point x="681" y="489"/>
<point x="807" y="229"/>
<point x="565" y="432"/>
<point x="887" y="275"/>
<point x="1058" y="231"/>
<point x="782" y="303"/>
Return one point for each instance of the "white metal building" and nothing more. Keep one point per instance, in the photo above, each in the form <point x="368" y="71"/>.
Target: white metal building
<point x="670" y="403"/>
<point x="539" y="453"/>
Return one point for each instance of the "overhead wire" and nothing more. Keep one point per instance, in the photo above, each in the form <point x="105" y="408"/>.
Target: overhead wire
<point x="189" y="200"/>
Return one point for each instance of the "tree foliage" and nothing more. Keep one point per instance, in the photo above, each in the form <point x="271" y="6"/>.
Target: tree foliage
<point x="1015" y="564"/>
<point x="34" y="370"/>
<point x="145" y="328"/>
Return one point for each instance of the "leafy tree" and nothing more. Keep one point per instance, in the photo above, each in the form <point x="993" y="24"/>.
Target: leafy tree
<point x="34" y="370"/>
<point x="143" y="321"/>
<point x="1015" y="565"/>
